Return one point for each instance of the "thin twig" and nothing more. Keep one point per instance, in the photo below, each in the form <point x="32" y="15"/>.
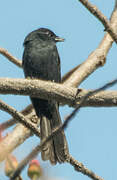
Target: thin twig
<point x="12" y="121"/>
<point x="38" y="148"/>
<point x="84" y="170"/>
<point x="13" y="59"/>
<point x="19" y="117"/>
<point x="98" y="14"/>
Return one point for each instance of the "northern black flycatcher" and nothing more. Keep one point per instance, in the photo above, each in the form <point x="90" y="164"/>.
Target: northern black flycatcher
<point x="41" y="61"/>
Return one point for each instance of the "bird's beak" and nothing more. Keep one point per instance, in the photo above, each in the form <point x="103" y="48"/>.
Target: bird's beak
<point x="59" y="39"/>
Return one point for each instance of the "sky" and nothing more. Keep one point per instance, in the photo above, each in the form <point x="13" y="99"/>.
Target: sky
<point x="92" y="133"/>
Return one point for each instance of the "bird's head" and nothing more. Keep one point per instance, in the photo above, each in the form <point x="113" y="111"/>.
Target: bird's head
<point x="43" y="34"/>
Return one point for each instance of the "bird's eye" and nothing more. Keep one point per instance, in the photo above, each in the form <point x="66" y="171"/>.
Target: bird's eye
<point x="50" y="35"/>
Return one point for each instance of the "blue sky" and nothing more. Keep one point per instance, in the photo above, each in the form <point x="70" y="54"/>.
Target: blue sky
<point x="92" y="134"/>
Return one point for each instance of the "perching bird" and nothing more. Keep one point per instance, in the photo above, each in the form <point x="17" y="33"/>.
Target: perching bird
<point x="41" y="61"/>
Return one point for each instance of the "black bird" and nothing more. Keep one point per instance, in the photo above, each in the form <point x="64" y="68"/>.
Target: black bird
<point x="41" y="61"/>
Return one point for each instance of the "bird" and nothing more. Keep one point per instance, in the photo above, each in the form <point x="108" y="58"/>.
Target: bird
<point x="41" y="61"/>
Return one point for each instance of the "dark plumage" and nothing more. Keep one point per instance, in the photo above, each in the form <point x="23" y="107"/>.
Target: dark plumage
<point x="41" y="61"/>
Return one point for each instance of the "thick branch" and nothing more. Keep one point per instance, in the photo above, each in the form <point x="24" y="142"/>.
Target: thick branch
<point x="59" y="92"/>
<point x="37" y="88"/>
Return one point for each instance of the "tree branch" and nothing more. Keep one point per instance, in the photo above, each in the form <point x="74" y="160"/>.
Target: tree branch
<point x="18" y="135"/>
<point x="96" y="59"/>
<point x="78" y="166"/>
<point x="59" y="92"/>
<point x="19" y="117"/>
<point x="14" y="60"/>
<point x="27" y="111"/>
<point x="15" y="138"/>
<point x="98" y="14"/>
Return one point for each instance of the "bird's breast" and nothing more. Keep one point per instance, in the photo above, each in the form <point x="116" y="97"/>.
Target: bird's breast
<point x="41" y="62"/>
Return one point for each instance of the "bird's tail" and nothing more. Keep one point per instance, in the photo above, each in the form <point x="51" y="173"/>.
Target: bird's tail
<point x="56" y="150"/>
<point x="47" y="152"/>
